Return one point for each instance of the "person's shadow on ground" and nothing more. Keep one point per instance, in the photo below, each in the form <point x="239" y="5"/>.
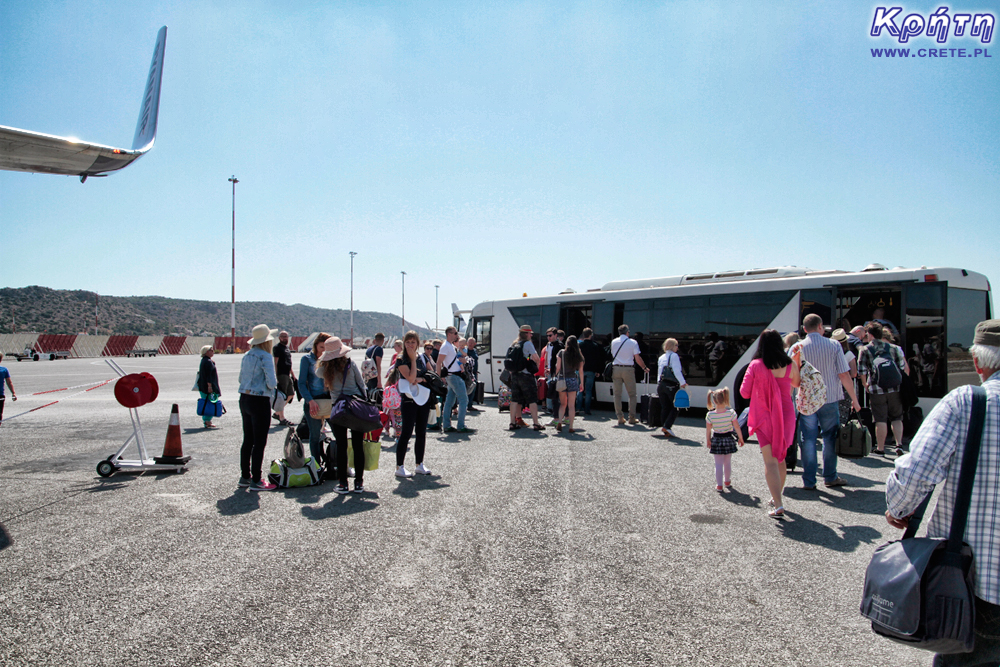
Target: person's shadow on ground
<point x="342" y="505"/>
<point x="844" y="538"/>
<point x="240" y="502"/>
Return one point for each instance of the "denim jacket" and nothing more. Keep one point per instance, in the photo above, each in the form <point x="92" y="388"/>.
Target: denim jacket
<point x="257" y="376"/>
<point x="310" y="384"/>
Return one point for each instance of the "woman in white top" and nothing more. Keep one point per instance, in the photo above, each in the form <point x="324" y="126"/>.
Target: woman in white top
<point x="669" y="378"/>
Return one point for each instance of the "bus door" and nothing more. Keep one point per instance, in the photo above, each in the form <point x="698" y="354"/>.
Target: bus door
<point x="575" y="317"/>
<point x="931" y="367"/>
<point x="481" y="329"/>
<point x="856" y="305"/>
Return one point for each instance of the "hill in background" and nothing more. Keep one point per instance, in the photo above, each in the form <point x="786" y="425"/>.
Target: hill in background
<point x="44" y="310"/>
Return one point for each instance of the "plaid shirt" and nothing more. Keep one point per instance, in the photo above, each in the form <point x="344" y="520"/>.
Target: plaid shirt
<point x="938" y="444"/>
<point x="866" y="364"/>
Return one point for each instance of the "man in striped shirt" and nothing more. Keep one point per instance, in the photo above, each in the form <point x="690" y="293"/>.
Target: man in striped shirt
<point x="827" y="357"/>
<point x="936" y="456"/>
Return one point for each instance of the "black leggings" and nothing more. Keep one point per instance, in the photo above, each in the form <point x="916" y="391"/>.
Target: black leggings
<point x="358" y="440"/>
<point x="667" y="408"/>
<point x="256" y="413"/>
<point x="413" y="414"/>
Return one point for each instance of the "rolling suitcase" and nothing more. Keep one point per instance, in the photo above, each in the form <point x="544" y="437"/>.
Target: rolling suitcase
<point x="655" y="411"/>
<point x="854" y="441"/>
<point x="541" y="390"/>
<point x="644" y="409"/>
<point x="503" y="398"/>
<point x="480" y="392"/>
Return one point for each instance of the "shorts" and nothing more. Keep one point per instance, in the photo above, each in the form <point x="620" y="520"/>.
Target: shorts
<point x="285" y="385"/>
<point x="886" y="407"/>
<point x="572" y="383"/>
<point x="523" y="389"/>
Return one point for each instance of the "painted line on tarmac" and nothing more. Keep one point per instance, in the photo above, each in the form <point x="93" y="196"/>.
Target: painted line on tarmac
<point x="26" y="412"/>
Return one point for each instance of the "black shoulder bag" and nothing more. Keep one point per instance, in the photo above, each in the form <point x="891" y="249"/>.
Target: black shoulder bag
<point x="920" y="591"/>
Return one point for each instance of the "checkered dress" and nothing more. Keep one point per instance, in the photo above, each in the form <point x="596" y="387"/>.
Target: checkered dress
<point x="936" y="456"/>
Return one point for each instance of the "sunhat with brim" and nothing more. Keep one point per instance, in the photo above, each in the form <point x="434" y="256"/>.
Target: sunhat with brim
<point x="205" y="349"/>
<point x="261" y="334"/>
<point x="334" y="348"/>
<point x="526" y="328"/>
<point x="839" y="335"/>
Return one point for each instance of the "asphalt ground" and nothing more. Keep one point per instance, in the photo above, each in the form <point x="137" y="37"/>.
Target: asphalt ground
<point x="610" y="546"/>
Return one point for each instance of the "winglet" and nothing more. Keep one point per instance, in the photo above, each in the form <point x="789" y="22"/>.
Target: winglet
<point x="145" y="129"/>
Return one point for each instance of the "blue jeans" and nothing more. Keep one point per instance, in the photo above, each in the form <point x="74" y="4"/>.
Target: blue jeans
<point x="584" y="398"/>
<point x="827" y="422"/>
<point x="456" y="392"/>
<point x="316" y="439"/>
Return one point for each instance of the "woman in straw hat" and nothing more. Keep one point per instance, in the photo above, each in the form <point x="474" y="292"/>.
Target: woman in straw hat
<point x="257" y="385"/>
<point x="208" y="382"/>
<point x="342" y="377"/>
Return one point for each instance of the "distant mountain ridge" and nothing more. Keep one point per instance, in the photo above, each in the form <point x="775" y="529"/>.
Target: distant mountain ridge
<point x="45" y="310"/>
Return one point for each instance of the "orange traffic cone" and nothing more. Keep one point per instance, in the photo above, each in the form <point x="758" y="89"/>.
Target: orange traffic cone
<point x="172" y="451"/>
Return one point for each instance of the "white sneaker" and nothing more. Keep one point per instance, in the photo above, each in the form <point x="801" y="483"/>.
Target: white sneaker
<point x="403" y="472"/>
<point x="423" y="470"/>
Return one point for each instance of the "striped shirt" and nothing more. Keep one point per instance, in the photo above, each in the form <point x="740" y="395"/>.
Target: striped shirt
<point x="722" y="422"/>
<point x="827" y="356"/>
<point x="936" y="456"/>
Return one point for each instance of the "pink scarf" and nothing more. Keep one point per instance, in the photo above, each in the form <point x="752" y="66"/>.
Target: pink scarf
<point x="766" y="407"/>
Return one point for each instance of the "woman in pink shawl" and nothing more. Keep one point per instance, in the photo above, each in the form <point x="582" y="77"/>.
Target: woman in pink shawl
<point x="768" y="384"/>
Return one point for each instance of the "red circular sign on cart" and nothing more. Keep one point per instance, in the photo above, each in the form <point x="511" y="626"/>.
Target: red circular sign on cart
<point x="155" y="387"/>
<point x="135" y="389"/>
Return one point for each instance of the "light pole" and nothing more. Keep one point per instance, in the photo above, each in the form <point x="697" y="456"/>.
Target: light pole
<point x="232" y="312"/>
<point x="403" y="309"/>
<point x="436" y="288"/>
<point x="352" y="253"/>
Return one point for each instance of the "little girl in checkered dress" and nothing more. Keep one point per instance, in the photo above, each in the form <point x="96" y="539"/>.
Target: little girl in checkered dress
<point x="722" y="432"/>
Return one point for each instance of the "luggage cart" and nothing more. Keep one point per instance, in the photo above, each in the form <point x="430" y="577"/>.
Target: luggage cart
<point x="132" y="391"/>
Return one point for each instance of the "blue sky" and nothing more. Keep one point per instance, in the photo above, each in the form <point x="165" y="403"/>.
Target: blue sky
<point x="491" y="150"/>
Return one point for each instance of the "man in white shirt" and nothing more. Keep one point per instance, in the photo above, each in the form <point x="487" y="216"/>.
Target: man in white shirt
<point x="625" y="354"/>
<point x="450" y="360"/>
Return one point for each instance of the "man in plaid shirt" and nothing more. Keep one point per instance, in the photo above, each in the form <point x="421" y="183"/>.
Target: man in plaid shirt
<point x="935" y="456"/>
<point x="886" y="404"/>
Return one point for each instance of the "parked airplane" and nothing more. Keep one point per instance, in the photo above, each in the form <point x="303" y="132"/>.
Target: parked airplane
<point x="23" y="150"/>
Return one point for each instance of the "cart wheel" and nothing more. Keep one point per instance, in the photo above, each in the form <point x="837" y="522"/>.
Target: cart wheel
<point x="106" y="469"/>
<point x="35" y="358"/>
<point x="52" y="357"/>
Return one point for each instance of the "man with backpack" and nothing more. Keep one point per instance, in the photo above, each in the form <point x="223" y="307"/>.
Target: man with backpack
<point x="594" y="359"/>
<point x="522" y="364"/>
<point x="881" y="367"/>
<point x="371" y="367"/>
<point x="827" y="357"/>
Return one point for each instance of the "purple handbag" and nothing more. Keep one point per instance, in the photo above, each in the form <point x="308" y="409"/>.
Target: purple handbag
<point x="355" y="414"/>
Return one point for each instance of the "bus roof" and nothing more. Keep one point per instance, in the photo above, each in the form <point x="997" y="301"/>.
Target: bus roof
<point x="769" y="279"/>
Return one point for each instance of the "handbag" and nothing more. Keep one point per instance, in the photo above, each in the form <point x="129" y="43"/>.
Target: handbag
<point x="609" y="369"/>
<point x="668" y="379"/>
<point x="372" y="448"/>
<point x="434" y="382"/>
<point x="210" y="408"/>
<point x="920" y="591"/>
<point x="505" y="377"/>
<point x="355" y="414"/>
<point x="294" y="455"/>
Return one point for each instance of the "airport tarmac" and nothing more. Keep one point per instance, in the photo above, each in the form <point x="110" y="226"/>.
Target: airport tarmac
<point x="610" y="546"/>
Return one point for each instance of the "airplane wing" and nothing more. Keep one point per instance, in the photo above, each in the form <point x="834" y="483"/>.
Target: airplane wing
<point x="23" y="150"/>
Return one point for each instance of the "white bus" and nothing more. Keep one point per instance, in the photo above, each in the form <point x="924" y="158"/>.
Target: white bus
<point x="934" y="309"/>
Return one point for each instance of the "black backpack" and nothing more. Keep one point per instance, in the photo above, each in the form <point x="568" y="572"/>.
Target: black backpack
<point x="515" y="358"/>
<point x="887" y="375"/>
